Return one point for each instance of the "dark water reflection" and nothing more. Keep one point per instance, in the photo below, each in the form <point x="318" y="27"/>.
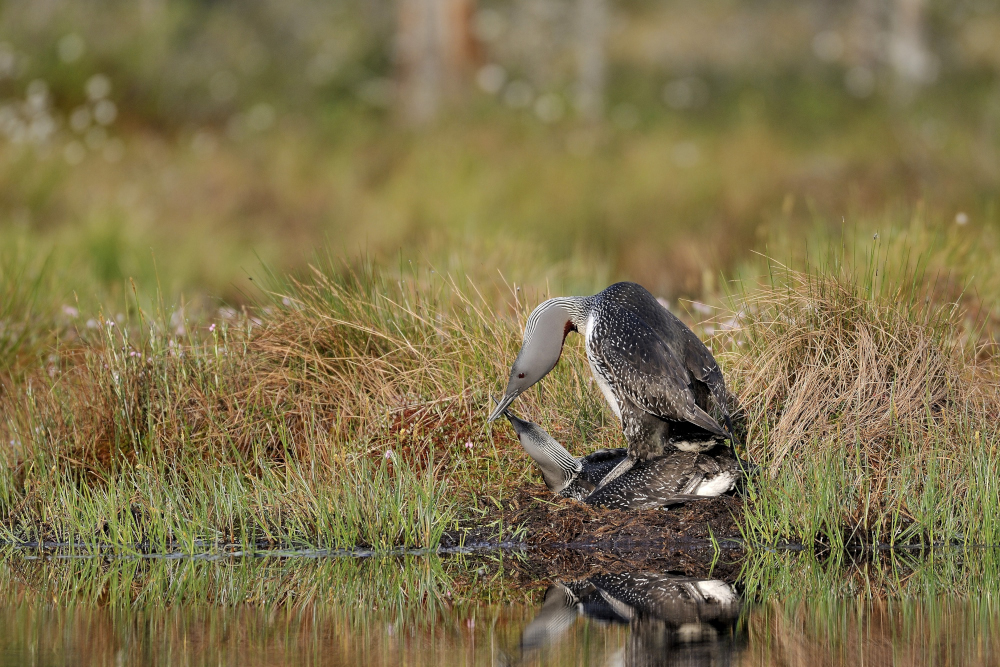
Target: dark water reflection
<point x="671" y="619"/>
<point x="772" y="609"/>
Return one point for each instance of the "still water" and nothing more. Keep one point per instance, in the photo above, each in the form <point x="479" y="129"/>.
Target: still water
<point x="530" y="608"/>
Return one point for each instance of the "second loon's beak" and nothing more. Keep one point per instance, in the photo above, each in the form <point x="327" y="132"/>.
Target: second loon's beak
<point x="502" y="406"/>
<point x="519" y="424"/>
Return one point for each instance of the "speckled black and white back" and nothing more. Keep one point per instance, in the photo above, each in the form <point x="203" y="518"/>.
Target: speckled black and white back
<point x="596" y="467"/>
<point x="656" y="374"/>
<point x="672" y="479"/>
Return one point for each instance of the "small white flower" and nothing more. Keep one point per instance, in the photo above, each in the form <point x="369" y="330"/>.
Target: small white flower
<point x="468" y="445"/>
<point x="701" y="308"/>
<point x="389" y="455"/>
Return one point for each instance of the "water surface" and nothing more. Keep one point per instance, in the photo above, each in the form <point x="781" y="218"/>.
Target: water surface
<point x="501" y="608"/>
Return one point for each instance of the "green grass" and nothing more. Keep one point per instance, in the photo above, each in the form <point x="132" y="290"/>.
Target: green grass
<point x="25" y="310"/>
<point x="346" y="409"/>
<point x="200" y="507"/>
<point x="868" y="399"/>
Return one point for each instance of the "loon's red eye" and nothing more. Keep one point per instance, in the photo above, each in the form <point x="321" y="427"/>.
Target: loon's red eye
<point x="520" y="375"/>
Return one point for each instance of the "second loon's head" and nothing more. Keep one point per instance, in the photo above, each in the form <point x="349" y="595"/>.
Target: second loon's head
<point x="558" y="466"/>
<point x="544" y="334"/>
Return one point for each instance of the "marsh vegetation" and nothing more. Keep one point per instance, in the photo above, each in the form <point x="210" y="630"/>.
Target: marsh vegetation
<point x="345" y="409"/>
<point x="254" y="298"/>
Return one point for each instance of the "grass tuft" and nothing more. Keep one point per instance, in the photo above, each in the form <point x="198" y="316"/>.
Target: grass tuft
<point x="868" y="411"/>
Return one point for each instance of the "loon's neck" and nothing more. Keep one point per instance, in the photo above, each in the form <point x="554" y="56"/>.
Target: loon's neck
<point x="579" y="308"/>
<point x="559" y="467"/>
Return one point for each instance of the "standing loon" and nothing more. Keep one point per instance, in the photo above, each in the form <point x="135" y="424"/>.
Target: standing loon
<point x="672" y="479"/>
<point x="653" y="371"/>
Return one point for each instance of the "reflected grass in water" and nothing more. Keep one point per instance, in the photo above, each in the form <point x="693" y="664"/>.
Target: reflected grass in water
<point x="251" y="611"/>
<point x="901" y="608"/>
<point x="897" y="607"/>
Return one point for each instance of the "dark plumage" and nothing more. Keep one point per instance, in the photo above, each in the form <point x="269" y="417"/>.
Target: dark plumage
<point x="664" y="610"/>
<point x="654" y="372"/>
<point x="671" y="479"/>
<point x="595" y="467"/>
<point x="660" y="374"/>
<point x="674" y="478"/>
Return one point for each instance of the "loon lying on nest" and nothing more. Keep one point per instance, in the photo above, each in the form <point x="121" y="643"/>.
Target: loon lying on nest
<point x="668" y="480"/>
<point x="656" y="375"/>
<point x="665" y="610"/>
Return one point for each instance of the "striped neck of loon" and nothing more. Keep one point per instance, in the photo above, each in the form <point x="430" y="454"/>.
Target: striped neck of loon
<point x="579" y="309"/>
<point x="576" y="309"/>
<point x="558" y="466"/>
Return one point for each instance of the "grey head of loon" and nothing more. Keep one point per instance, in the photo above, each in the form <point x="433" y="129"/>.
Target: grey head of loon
<point x="544" y="334"/>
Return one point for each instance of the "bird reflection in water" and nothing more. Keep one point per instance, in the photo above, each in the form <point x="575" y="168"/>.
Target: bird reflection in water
<point x="673" y="619"/>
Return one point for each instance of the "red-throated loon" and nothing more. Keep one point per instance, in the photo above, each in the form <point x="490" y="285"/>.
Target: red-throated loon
<point x="670" y="614"/>
<point x="672" y="479"/>
<point x="653" y="371"/>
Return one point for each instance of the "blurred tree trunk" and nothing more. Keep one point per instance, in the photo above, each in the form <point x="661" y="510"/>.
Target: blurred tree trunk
<point x="866" y="33"/>
<point x="379" y="16"/>
<point x="435" y="53"/>
<point x="892" y="33"/>
<point x="911" y="61"/>
<point x="592" y="30"/>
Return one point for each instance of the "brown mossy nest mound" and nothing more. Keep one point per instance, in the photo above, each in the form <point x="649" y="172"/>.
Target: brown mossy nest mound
<point x="534" y="517"/>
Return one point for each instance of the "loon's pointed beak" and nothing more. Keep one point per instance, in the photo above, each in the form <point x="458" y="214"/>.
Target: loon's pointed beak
<point x="520" y="425"/>
<point x="502" y="406"/>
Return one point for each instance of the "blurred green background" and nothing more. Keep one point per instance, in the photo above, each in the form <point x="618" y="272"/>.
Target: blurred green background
<point x="180" y="143"/>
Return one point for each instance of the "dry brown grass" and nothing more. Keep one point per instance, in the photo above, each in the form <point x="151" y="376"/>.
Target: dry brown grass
<point x="346" y="364"/>
<point x="821" y="360"/>
<point x="868" y="408"/>
<point x="345" y="367"/>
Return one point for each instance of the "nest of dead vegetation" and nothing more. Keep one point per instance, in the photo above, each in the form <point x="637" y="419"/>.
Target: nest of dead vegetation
<point x="827" y="361"/>
<point x="534" y="517"/>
